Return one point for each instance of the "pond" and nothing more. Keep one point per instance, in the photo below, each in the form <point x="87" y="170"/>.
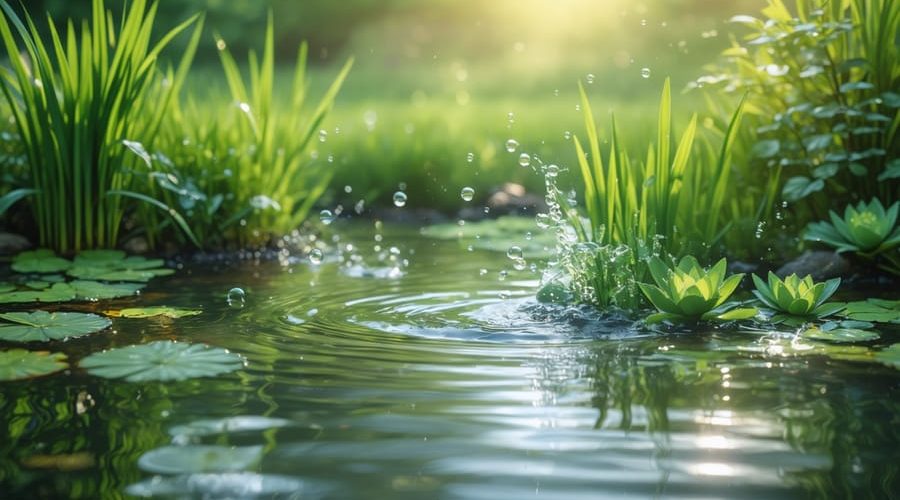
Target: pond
<point x="441" y="380"/>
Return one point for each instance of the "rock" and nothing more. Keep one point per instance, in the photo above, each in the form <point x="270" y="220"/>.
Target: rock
<point x="820" y="264"/>
<point x="512" y="199"/>
<point x="136" y="246"/>
<point x="11" y="243"/>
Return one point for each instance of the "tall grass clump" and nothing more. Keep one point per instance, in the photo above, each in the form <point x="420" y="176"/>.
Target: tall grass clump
<point x="821" y="81"/>
<point x="78" y="99"/>
<point x="674" y="200"/>
<point x="244" y="170"/>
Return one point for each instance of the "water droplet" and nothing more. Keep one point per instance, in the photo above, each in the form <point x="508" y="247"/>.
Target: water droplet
<point x="643" y="22"/>
<point x="236" y="298"/>
<point x="524" y="160"/>
<point x="514" y="252"/>
<point x="315" y="257"/>
<point x="519" y="264"/>
<point x="323" y="135"/>
<point x="482" y="272"/>
<point x="512" y="145"/>
<point x="220" y="44"/>
<point x="504" y="295"/>
<point x="326" y="217"/>
<point x="529" y="236"/>
<point x="502" y="275"/>
<point x="590" y="78"/>
<point x="645" y="72"/>
<point x="467" y="194"/>
<point x="399" y="199"/>
<point x="542" y="221"/>
<point x="552" y="171"/>
<point x="348" y="189"/>
<point x="511" y="117"/>
<point x="567" y="135"/>
<point x="470" y="157"/>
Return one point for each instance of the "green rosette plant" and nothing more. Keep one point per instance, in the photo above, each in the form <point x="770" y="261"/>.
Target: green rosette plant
<point x="795" y="299"/>
<point x="689" y="293"/>
<point x="866" y="229"/>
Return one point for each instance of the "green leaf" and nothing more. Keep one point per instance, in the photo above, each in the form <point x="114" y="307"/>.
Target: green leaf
<point x="841" y="335"/>
<point x="10" y="198"/>
<point x="94" y="290"/>
<point x="113" y="265"/>
<point x="766" y="149"/>
<point x="149" y="312"/>
<point x="58" y="292"/>
<point x="17" y="364"/>
<point x="199" y="459"/>
<point x="889" y="356"/>
<point x="162" y="360"/>
<point x="879" y="311"/>
<point x="42" y="326"/>
<point x="799" y="187"/>
<point x="39" y="261"/>
<point x="738" y="314"/>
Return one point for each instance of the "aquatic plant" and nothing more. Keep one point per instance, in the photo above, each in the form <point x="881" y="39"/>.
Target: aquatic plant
<point x="795" y="297"/>
<point x="244" y="170"/>
<point x="162" y="360"/>
<point x="75" y="103"/>
<point x="821" y="84"/>
<point x="17" y="364"/>
<point x="689" y="293"/>
<point x="866" y="229"/>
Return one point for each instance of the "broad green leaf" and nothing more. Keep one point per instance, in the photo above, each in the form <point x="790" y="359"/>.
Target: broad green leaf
<point x="738" y="314"/>
<point x="879" y="311"/>
<point x="42" y="326"/>
<point x="94" y="290"/>
<point x="889" y="356"/>
<point x="149" y="312"/>
<point x="17" y="364"/>
<point x="194" y="459"/>
<point x="841" y="335"/>
<point x="58" y="292"/>
<point x="39" y="261"/>
<point x="162" y="360"/>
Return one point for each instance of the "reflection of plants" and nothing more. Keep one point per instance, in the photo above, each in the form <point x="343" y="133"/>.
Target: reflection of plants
<point x="866" y="229"/>
<point x="802" y="298"/>
<point x="74" y="109"/>
<point x="689" y="293"/>
<point x="822" y="88"/>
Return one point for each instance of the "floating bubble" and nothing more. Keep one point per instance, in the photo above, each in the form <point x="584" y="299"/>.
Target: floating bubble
<point x="482" y="272"/>
<point x="470" y="157"/>
<point x="524" y="160"/>
<point x="467" y="193"/>
<point x="514" y="252"/>
<point x="645" y="72"/>
<point x="323" y="135"/>
<point x="512" y="145"/>
<point x="552" y="171"/>
<point x="519" y="264"/>
<point x="399" y="199"/>
<point x="315" y="257"/>
<point x="348" y="189"/>
<point x="236" y="298"/>
<point x="567" y="135"/>
<point x="326" y="216"/>
<point x="590" y="78"/>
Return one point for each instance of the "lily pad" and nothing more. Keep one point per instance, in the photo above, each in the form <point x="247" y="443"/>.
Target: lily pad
<point x="498" y="235"/>
<point x="58" y="292"/>
<point x="38" y="284"/>
<point x="18" y="364"/>
<point x="889" y="356"/>
<point x="40" y="261"/>
<point x="149" y="312"/>
<point x="877" y="310"/>
<point x="162" y="360"/>
<point x="197" y="458"/>
<point x="94" y="290"/>
<point x="43" y="326"/>
<point x="226" y="485"/>
<point x="113" y="265"/>
<point x="241" y="423"/>
<point x="7" y="287"/>
<point x="841" y="335"/>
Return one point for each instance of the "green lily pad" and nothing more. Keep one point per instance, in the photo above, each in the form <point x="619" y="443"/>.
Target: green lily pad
<point x="841" y="335"/>
<point x="889" y="356"/>
<point x="162" y="360"/>
<point x="7" y="287"/>
<point x="41" y="261"/>
<point x="241" y="423"/>
<point x="58" y="292"/>
<point x="230" y="485"/>
<point x="43" y="326"/>
<point x="94" y="290"/>
<point x="38" y="284"/>
<point x="877" y="310"/>
<point x="149" y="312"/>
<point x="113" y="265"/>
<point x="498" y="235"/>
<point x="200" y="459"/>
<point x="18" y="364"/>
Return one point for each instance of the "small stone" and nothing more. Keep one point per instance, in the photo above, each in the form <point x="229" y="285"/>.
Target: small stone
<point x="820" y="264"/>
<point x="11" y="243"/>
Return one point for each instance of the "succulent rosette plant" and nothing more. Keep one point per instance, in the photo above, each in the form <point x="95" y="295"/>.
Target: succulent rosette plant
<point x="797" y="298"/>
<point x="689" y="293"/>
<point x="867" y="229"/>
